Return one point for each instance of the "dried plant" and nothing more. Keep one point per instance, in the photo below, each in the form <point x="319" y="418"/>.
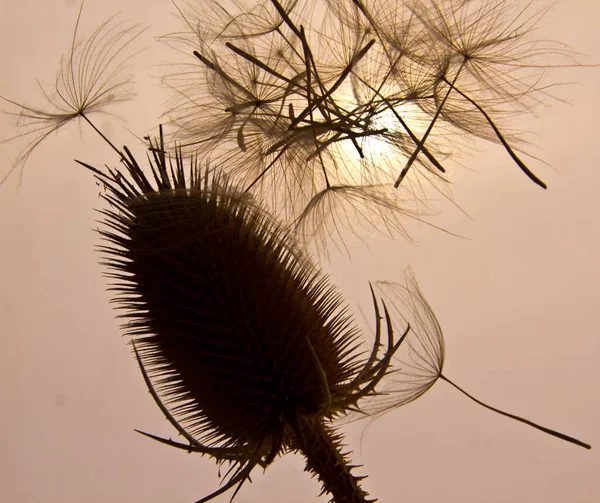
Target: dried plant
<point x="92" y="77"/>
<point x="421" y="361"/>
<point x="244" y="344"/>
<point x="299" y="109"/>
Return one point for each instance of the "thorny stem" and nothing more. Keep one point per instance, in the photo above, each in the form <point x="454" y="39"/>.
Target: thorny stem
<point x="518" y="418"/>
<point x="325" y="459"/>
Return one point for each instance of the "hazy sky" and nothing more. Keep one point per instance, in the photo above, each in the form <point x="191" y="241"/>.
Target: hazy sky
<point x="518" y="301"/>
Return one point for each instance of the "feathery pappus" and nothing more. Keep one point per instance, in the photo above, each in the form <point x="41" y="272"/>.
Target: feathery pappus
<point x="244" y="344"/>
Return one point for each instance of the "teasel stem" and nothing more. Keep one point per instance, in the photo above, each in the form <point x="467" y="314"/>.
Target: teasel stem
<point x="518" y="418"/>
<point x="321" y="448"/>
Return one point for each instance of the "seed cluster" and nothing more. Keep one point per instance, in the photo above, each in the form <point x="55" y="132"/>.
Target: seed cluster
<point x="322" y="108"/>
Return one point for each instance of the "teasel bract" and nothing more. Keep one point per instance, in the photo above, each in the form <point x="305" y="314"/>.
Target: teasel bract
<point x="244" y="344"/>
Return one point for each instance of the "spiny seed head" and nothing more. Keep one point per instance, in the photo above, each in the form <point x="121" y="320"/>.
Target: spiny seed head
<point x="236" y="326"/>
<point x="242" y="341"/>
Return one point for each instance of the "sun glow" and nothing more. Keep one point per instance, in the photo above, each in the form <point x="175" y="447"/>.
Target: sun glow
<point x="383" y="150"/>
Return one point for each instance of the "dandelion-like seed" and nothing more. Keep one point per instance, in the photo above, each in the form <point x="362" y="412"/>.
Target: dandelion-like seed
<point x="92" y="77"/>
<point x="243" y="342"/>
<point x="421" y="365"/>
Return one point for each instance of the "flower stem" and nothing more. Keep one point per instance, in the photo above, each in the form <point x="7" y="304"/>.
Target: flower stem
<point x="322" y="450"/>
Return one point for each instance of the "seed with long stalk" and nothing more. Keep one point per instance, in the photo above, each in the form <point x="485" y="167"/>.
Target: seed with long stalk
<point x="92" y="76"/>
<point x="422" y="363"/>
<point x="244" y="344"/>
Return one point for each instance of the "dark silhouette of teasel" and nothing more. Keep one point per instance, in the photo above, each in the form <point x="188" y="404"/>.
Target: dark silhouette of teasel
<point x="244" y="344"/>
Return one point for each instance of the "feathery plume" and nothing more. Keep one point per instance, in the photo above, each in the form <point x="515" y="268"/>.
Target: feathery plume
<point x="92" y="77"/>
<point x="421" y="361"/>
<point x="294" y="106"/>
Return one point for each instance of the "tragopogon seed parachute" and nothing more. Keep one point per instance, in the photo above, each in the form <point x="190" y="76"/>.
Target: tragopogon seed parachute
<point x="92" y="77"/>
<point x="243" y="343"/>
<point x="309" y="101"/>
<point x="340" y="115"/>
<point x="421" y="362"/>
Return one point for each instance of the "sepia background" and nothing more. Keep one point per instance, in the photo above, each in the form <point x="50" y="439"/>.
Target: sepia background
<point x="517" y="297"/>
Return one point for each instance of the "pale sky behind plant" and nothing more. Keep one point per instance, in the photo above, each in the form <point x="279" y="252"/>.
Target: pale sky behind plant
<point x="518" y="302"/>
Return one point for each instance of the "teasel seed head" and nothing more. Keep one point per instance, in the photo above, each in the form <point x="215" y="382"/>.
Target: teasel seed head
<point x="244" y="344"/>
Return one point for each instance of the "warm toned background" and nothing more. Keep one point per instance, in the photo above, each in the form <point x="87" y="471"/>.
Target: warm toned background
<point x="518" y="301"/>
